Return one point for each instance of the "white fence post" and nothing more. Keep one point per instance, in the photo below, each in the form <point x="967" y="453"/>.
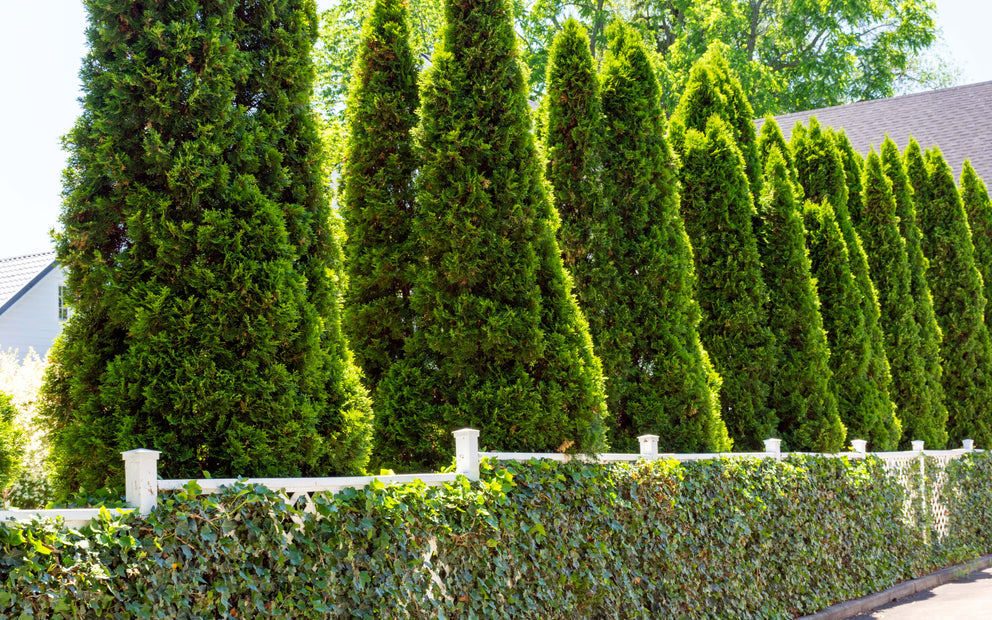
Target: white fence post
<point x="649" y="446"/>
<point x="141" y="479"/>
<point x="773" y="448"/>
<point x="968" y="445"/>
<point x="467" y="452"/>
<point x="860" y="446"/>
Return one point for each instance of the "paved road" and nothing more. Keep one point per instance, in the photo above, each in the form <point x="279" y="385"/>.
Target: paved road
<point x="969" y="597"/>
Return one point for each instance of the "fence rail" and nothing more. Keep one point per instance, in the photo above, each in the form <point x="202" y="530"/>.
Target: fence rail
<point x="143" y="485"/>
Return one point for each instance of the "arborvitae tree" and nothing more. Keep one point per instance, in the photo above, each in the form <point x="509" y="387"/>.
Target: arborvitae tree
<point x="200" y="254"/>
<point x="11" y="443"/>
<point x="926" y="418"/>
<point x="658" y="378"/>
<point x="771" y="138"/>
<point x="958" y="302"/>
<point x="922" y="416"/>
<point x="377" y="202"/>
<point x="853" y="169"/>
<point x="500" y="344"/>
<point x="978" y="206"/>
<point x="713" y="88"/>
<point x="801" y="390"/>
<point x="821" y="173"/>
<point x="858" y="397"/>
<point x="716" y="206"/>
<point x="572" y="136"/>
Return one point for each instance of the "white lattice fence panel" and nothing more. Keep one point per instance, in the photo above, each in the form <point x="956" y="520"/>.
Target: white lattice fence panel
<point x="905" y="468"/>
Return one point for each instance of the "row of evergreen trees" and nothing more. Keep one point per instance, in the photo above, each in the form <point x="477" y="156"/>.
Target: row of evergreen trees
<point x="690" y="279"/>
<point x="736" y="286"/>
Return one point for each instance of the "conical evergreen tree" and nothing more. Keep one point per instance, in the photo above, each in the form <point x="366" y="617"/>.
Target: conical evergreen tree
<point x="978" y="206"/>
<point x="378" y="196"/>
<point x="958" y="302"/>
<point x="926" y="417"/>
<point x="857" y="393"/>
<point x="500" y="344"/>
<point x="771" y="138"/>
<point x="853" y="169"/>
<point x="887" y="254"/>
<point x="572" y="136"/>
<point x="658" y="378"/>
<point x="713" y="88"/>
<point x="821" y="173"/>
<point x="200" y="254"/>
<point x="801" y="390"/>
<point x="716" y="205"/>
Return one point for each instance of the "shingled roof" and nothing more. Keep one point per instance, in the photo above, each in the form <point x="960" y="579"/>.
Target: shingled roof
<point x="958" y="120"/>
<point x="19" y="274"/>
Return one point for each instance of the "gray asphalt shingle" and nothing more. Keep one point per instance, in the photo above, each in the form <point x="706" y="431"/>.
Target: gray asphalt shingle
<point x="957" y="120"/>
<point x="17" y="272"/>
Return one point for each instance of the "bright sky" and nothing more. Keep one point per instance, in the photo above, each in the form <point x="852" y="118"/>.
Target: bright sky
<point x="40" y="79"/>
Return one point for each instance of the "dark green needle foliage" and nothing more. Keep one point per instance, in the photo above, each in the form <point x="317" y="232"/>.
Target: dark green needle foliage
<point x="959" y="303"/>
<point x="857" y="394"/>
<point x="572" y="136"/>
<point x="201" y="254"/>
<point x="713" y="88"/>
<point x="867" y="409"/>
<point x="922" y="410"/>
<point x="377" y="204"/>
<point x="500" y="344"/>
<point x="802" y="390"/>
<point x="922" y="416"/>
<point x="853" y="170"/>
<point x="978" y="206"/>
<point x="716" y="206"/>
<point x="658" y="378"/>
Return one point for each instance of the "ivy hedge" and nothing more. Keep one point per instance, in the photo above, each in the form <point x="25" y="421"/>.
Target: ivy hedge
<point x="743" y="538"/>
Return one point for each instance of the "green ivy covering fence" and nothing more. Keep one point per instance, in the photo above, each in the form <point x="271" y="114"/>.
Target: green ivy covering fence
<point x="742" y="538"/>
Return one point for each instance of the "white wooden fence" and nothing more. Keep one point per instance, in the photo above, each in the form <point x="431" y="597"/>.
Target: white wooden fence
<point x="143" y="485"/>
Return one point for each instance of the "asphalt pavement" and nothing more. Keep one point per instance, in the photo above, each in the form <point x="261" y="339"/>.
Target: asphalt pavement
<point x="965" y="598"/>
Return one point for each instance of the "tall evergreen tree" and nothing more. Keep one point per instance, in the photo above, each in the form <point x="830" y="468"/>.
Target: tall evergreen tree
<point x="716" y="205"/>
<point x="500" y="344"/>
<point x="958" y="302"/>
<point x="925" y="416"/>
<point x="377" y="201"/>
<point x="658" y="378"/>
<point x="922" y="416"/>
<point x="201" y="254"/>
<point x="713" y="88"/>
<point x="770" y="139"/>
<point x="978" y="206"/>
<point x="572" y="137"/>
<point x="853" y="169"/>
<point x="821" y="173"/>
<point x="802" y="389"/>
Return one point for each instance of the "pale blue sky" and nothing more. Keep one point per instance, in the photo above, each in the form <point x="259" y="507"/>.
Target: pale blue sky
<point x="40" y="82"/>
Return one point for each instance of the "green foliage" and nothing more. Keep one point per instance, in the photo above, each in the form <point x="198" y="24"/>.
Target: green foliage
<point x="201" y="254"/>
<point x="921" y="404"/>
<point x="716" y="206"/>
<point x="377" y="202"/>
<point x="865" y="405"/>
<point x="637" y="269"/>
<point x="500" y="343"/>
<point x="958" y="300"/>
<point x="978" y="206"/>
<point x="802" y="390"/>
<point x="853" y="167"/>
<point x="969" y="504"/>
<point x="11" y="443"/>
<point x="723" y="538"/>
<point x="713" y="88"/>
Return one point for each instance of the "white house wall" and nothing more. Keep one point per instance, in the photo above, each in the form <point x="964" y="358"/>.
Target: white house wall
<point x="33" y="320"/>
